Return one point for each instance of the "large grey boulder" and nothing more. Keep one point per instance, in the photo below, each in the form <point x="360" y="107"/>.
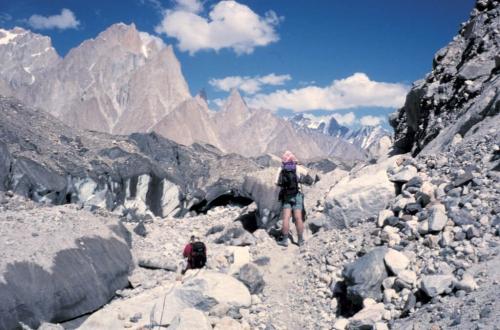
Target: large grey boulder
<point x="58" y="263"/>
<point x="364" y="276"/>
<point x="250" y="275"/>
<point x="360" y="195"/>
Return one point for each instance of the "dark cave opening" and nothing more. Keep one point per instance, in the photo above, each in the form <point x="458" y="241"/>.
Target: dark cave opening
<point x="223" y="200"/>
<point x="248" y="219"/>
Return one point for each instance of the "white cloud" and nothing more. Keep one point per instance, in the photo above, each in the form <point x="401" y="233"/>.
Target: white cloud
<point x="371" y="120"/>
<point x="228" y="25"/>
<point x="192" y="6"/>
<point x="65" y="20"/>
<point x="249" y="85"/>
<point x="217" y="102"/>
<point x="347" y="119"/>
<point x="352" y="92"/>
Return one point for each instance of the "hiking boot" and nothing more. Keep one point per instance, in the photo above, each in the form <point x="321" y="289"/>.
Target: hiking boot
<point x="283" y="241"/>
<point x="300" y="241"/>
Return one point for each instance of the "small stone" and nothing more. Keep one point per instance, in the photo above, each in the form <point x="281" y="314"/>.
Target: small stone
<point x="408" y="276"/>
<point x="467" y="283"/>
<point x="434" y="285"/>
<point x="388" y="282"/>
<point x="437" y="218"/>
<point x="396" y="261"/>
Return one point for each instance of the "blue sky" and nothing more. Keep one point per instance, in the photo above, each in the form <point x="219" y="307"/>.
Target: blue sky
<point x="309" y="55"/>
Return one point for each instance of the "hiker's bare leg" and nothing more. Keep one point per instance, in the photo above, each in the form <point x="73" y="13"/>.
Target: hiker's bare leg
<point x="287" y="213"/>
<point x="299" y="224"/>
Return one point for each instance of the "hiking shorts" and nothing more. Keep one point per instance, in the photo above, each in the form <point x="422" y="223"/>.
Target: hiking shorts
<point x="294" y="202"/>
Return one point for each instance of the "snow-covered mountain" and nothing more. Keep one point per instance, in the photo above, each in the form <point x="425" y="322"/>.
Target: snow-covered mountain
<point x="369" y="138"/>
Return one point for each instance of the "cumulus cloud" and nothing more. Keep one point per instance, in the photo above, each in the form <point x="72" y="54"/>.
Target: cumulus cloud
<point x="229" y="25"/>
<point x="193" y="6"/>
<point x="65" y="20"/>
<point x="371" y="120"/>
<point x="249" y="85"/>
<point x="352" y="92"/>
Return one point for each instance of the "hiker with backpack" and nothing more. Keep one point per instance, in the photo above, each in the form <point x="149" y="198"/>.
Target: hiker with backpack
<point x="291" y="198"/>
<point x="195" y="253"/>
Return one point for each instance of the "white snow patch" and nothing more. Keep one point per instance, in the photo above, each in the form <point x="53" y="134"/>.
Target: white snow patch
<point x="40" y="53"/>
<point x="144" y="51"/>
<point x="8" y="36"/>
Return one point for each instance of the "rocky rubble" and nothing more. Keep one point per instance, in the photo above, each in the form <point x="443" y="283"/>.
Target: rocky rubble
<point x="444" y="221"/>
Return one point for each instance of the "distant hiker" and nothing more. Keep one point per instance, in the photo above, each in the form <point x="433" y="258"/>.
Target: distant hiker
<point x="291" y="198"/>
<point x="195" y="253"/>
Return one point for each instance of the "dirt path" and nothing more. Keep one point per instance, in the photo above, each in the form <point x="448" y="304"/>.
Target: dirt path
<point x="280" y="275"/>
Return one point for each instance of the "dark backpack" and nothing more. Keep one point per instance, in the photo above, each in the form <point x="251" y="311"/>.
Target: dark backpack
<point x="198" y="255"/>
<point x="289" y="184"/>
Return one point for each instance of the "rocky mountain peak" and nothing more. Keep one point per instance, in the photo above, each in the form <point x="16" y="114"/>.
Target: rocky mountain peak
<point x="235" y="102"/>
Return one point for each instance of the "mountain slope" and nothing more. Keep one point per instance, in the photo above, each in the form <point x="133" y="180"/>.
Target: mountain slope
<point x="461" y="91"/>
<point x="122" y="81"/>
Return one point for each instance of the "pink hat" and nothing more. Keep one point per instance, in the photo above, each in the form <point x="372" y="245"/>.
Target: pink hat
<point x="288" y="156"/>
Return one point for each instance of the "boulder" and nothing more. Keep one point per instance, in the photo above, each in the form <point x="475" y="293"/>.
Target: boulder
<point x="250" y="275"/>
<point x="240" y="256"/>
<point x="403" y="174"/>
<point x="408" y="276"/>
<point x="81" y="260"/>
<point x="467" y="283"/>
<point x="433" y="285"/>
<point x="360" y="195"/>
<point x="201" y="289"/>
<point x="227" y="323"/>
<point x="236" y="235"/>
<point x="437" y="218"/>
<point x="364" y="277"/>
<point x="367" y="317"/>
<point x="395" y="261"/>
<point x="190" y="318"/>
<point x="341" y="324"/>
<point x="157" y="262"/>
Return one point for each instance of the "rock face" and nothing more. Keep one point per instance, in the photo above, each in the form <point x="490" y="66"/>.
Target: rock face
<point x="49" y="161"/>
<point x="460" y="95"/>
<point x="360" y="195"/>
<point x="122" y="81"/>
<point x="81" y="260"/>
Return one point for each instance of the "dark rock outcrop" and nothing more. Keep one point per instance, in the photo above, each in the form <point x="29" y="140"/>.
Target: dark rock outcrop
<point x="364" y="276"/>
<point x="460" y="92"/>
